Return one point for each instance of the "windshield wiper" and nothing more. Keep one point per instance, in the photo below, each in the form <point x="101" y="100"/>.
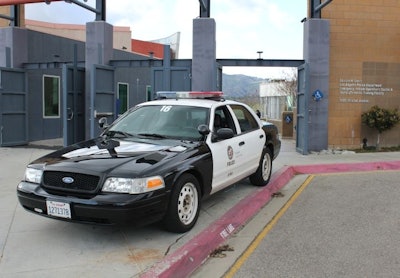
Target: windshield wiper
<point x="112" y="133"/>
<point x="155" y="135"/>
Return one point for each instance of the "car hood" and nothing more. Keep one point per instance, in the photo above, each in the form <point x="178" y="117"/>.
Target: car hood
<point x="99" y="156"/>
<point x="125" y="149"/>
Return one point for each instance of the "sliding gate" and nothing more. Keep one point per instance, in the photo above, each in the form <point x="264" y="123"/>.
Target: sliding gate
<point x="13" y="107"/>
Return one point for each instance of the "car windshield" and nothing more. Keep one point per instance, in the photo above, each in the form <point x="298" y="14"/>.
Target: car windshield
<point x="163" y="121"/>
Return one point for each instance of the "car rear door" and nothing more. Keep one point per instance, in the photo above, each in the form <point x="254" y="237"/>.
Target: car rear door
<point x="251" y="139"/>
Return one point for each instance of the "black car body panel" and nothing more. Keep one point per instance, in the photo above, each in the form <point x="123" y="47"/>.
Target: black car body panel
<point x="272" y="139"/>
<point x="84" y="161"/>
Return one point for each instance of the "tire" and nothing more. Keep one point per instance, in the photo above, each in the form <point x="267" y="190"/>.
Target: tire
<point x="263" y="174"/>
<point x="184" y="206"/>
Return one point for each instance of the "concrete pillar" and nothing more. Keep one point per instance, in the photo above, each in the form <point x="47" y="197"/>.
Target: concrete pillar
<point x="316" y="55"/>
<point x="204" y="65"/>
<point x="99" y="43"/>
<point x="13" y="47"/>
<point x="99" y="51"/>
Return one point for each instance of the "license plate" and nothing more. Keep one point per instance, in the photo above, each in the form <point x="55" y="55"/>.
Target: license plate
<point x="58" y="209"/>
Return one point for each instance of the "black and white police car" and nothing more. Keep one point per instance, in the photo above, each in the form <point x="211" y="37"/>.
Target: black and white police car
<point x="155" y="162"/>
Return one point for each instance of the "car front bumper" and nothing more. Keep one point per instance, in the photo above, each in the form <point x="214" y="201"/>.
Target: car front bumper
<point x="107" y="209"/>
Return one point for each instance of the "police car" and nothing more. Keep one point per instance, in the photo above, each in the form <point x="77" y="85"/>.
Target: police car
<point x="154" y="163"/>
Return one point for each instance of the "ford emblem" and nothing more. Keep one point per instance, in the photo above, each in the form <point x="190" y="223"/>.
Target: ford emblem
<point x="67" y="180"/>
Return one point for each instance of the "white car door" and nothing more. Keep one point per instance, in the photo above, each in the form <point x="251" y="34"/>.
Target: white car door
<point x="228" y="154"/>
<point x="251" y="139"/>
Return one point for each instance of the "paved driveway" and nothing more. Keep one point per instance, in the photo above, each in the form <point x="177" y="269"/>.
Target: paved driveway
<point x="33" y="246"/>
<point x="331" y="225"/>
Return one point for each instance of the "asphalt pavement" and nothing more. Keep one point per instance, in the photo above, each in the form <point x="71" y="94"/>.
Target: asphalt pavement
<point x="330" y="214"/>
<point x="333" y="225"/>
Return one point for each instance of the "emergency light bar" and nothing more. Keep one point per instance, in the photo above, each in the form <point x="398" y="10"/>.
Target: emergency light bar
<point x="190" y="95"/>
<point x="165" y="94"/>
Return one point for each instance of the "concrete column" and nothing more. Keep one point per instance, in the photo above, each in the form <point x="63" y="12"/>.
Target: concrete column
<point x="99" y="43"/>
<point x="316" y="55"/>
<point x="99" y="51"/>
<point x="13" y="47"/>
<point x="204" y="65"/>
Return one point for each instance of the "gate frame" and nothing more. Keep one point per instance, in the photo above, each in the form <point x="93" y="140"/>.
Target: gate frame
<point x="302" y="117"/>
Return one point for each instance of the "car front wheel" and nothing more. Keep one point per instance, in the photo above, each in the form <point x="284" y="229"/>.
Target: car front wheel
<point x="184" y="206"/>
<point x="263" y="174"/>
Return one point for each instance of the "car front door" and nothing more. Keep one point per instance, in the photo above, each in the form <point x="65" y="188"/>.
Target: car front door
<point x="227" y="154"/>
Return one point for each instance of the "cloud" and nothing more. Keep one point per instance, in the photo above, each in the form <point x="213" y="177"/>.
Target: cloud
<point x="250" y="26"/>
<point x="59" y="12"/>
<point x="154" y="19"/>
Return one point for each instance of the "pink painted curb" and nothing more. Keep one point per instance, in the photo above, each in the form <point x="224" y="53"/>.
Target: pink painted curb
<point x="186" y="259"/>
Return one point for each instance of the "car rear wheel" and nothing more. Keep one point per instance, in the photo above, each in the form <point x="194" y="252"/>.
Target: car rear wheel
<point x="263" y="174"/>
<point x="184" y="206"/>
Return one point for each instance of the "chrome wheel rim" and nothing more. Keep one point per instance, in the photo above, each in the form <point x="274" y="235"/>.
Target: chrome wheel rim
<point x="266" y="167"/>
<point x="188" y="203"/>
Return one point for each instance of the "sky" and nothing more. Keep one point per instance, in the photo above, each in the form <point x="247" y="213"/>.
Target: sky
<point x="243" y="27"/>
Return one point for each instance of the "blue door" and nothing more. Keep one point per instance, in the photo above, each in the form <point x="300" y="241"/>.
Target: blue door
<point x="13" y="107"/>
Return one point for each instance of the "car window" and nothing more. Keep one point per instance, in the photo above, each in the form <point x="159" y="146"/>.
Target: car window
<point x="223" y="119"/>
<point x="172" y="121"/>
<point x="246" y="120"/>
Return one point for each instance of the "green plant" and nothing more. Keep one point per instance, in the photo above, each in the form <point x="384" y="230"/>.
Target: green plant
<point x="380" y="119"/>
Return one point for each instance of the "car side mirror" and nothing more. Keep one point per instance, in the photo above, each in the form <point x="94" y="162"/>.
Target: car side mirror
<point x="222" y="134"/>
<point x="203" y="130"/>
<point x="103" y="123"/>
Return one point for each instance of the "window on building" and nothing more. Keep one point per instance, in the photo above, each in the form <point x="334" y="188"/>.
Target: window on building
<point x="51" y="96"/>
<point x="123" y="97"/>
<point x="275" y="106"/>
<point x="148" y="93"/>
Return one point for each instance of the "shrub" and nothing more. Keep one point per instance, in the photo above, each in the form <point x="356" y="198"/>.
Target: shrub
<point x="380" y="119"/>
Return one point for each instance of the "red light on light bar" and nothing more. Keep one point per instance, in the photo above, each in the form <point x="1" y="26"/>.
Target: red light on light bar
<point x="211" y="94"/>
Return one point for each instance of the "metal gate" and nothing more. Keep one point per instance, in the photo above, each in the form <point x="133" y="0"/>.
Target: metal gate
<point x="302" y="110"/>
<point x="13" y="107"/>
<point x="74" y="110"/>
<point x="171" y="79"/>
<point x="103" y="98"/>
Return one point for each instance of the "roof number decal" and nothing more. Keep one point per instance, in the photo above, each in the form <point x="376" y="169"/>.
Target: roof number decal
<point x="166" y="108"/>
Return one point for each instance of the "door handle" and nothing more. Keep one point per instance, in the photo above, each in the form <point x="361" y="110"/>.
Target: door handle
<point x="102" y="114"/>
<point x="70" y="114"/>
<point x="241" y="143"/>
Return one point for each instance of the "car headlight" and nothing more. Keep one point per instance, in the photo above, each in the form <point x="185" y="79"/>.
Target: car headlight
<point x="33" y="175"/>
<point x="133" y="186"/>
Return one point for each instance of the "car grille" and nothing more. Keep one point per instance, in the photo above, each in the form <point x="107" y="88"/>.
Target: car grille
<point x="79" y="183"/>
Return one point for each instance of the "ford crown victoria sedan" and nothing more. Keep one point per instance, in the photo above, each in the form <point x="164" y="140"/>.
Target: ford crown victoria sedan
<point x="154" y="163"/>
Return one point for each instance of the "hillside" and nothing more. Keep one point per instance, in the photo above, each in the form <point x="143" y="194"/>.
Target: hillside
<point x="239" y="85"/>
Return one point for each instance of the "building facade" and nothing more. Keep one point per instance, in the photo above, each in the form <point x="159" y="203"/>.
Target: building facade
<point x="273" y="101"/>
<point x="364" y="68"/>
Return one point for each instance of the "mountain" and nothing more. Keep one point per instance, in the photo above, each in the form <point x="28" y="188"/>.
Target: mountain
<point x="239" y="85"/>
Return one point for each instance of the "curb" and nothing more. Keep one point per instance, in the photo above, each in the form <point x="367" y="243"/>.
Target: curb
<point x="189" y="257"/>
